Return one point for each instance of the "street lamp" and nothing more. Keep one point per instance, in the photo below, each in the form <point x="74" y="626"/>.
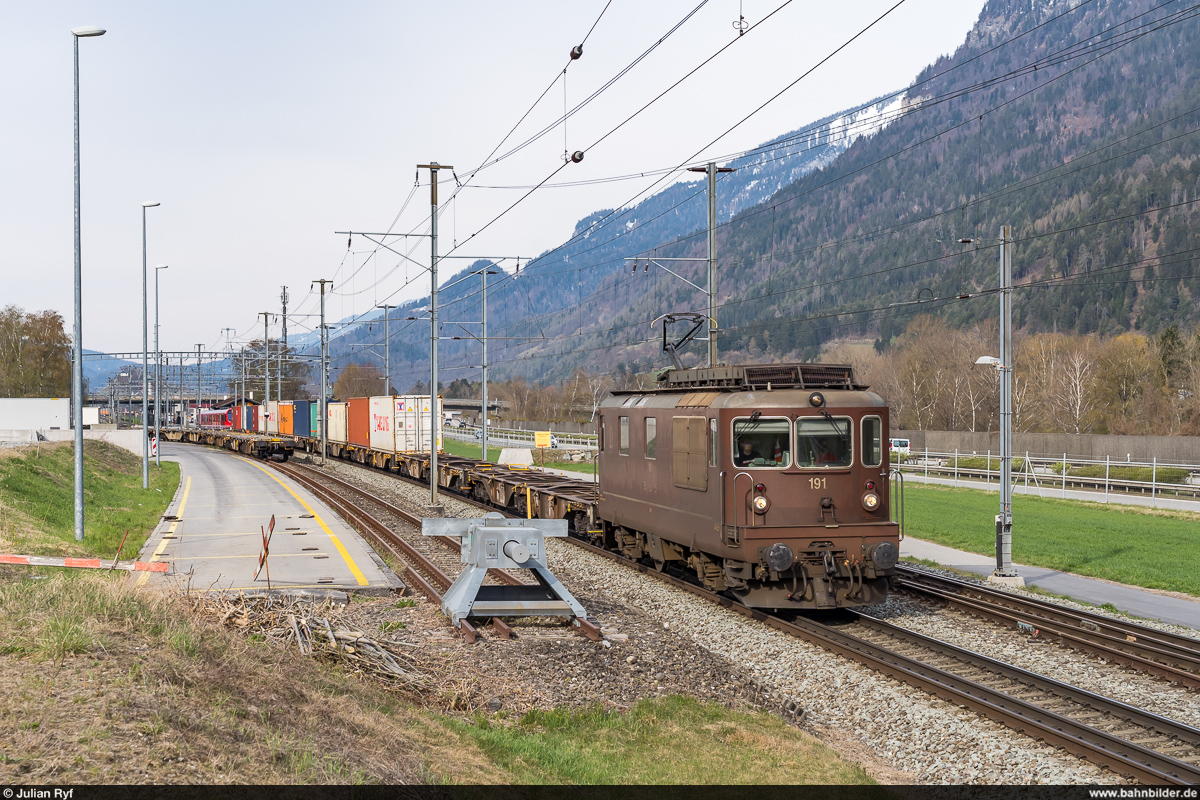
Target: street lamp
<point x="1004" y="572"/>
<point x="157" y="363"/>
<point x="77" y="339"/>
<point x="145" y="349"/>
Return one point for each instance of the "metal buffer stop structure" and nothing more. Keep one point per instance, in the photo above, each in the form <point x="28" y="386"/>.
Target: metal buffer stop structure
<point x="496" y="542"/>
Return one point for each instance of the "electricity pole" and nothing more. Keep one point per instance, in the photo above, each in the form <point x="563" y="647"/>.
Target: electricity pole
<point x="266" y="361"/>
<point x="387" y="360"/>
<point x="711" y="170"/>
<point x="324" y="414"/>
<point x="199" y="390"/>
<point x="484" y="272"/>
<point x="433" y="167"/>
<point x="283" y="320"/>
<point x="1004" y="566"/>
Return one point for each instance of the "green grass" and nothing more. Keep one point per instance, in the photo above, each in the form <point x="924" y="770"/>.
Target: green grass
<point x="37" y="500"/>
<point x="473" y="450"/>
<point x="672" y="740"/>
<point x="1154" y="548"/>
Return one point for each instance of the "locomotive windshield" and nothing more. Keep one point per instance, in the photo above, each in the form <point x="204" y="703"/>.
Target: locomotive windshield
<point x="762" y="443"/>
<point x="822" y="442"/>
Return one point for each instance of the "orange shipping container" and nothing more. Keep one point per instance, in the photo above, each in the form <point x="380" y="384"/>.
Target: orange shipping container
<point x="360" y="421"/>
<point x="285" y="418"/>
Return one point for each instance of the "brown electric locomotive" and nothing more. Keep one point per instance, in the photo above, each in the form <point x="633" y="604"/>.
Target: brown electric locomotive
<point x="769" y="482"/>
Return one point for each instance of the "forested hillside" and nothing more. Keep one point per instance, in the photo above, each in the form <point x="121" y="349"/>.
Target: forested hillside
<point x="1073" y="121"/>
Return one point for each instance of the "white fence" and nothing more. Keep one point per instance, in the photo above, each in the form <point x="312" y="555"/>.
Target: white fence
<point x="508" y="437"/>
<point x="1054" y="476"/>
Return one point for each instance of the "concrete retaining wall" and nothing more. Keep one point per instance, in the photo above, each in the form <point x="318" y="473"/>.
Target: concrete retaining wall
<point x="130" y="440"/>
<point x="1167" y="449"/>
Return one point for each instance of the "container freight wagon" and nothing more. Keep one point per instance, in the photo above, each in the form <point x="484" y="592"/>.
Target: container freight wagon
<point x="286" y="410"/>
<point x="359" y="420"/>
<point x="301" y="419"/>
<point x="338" y="428"/>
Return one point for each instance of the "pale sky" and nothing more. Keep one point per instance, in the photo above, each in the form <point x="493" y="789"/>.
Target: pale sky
<point x="263" y="127"/>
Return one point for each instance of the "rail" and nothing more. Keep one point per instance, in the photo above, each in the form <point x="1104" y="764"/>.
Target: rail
<point x="1146" y="751"/>
<point x="1168" y="655"/>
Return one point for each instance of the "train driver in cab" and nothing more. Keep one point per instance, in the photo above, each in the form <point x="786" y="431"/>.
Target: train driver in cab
<point x="746" y="454"/>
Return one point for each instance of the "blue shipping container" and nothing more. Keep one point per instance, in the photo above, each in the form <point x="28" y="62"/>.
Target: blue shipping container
<point x="301" y="418"/>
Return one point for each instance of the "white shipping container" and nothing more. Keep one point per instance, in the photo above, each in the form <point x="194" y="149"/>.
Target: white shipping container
<point x="338" y="423"/>
<point x="383" y="424"/>
<point x="262" y="419"/>
<point x="35" y="413"/>
<point x="273" y="416"/>
<point x="412" y="424"/>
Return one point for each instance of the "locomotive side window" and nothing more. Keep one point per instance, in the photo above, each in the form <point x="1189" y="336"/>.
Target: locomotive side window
<point x="762" y="443"/>
<point x="822" y="442"/>
<point x="651" y="437"/>
<point x="872" y="441"/>
<point x="624" y="443"/>
<point x="600" y="444"/>
<point x="712" y="442"/>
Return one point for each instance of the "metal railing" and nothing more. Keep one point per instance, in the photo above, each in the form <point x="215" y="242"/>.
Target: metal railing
<point x="519" y="438"/>
<point x="1055" y="476"/>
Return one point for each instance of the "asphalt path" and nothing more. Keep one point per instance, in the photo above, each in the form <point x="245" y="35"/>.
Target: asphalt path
<point x="1133" y="600"/>
<point x="212" y="533"/>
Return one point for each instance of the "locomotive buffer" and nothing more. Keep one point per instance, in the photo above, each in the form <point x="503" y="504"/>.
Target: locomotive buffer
<point x="496" y="542"/>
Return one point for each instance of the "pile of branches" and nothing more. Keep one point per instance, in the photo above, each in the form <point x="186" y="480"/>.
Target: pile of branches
<point x="315" y="631"/>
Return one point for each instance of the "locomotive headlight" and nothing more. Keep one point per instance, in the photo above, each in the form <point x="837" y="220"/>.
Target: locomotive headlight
<point x="760" y="504"/>
<point x="780" y="557"/>
<point x="870" y="501"/>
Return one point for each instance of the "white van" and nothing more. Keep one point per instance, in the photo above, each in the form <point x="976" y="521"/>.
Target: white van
<point x="900" y="446"/>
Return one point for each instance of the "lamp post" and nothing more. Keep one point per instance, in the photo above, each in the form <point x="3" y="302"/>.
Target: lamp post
<point x="145" y="352"/>
<point x="157" y="366"/>
<point x="77" y="338"/>
<point x="1005" y="573"/>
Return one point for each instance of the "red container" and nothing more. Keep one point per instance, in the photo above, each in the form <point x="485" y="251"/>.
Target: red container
<point x="237" y="418"/>
<point x="359" y="421"/>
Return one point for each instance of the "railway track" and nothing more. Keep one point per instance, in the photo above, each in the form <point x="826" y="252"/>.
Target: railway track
<point x="1106" y="732"/>
<point x="1168" y="655"/>
<point x="425" y="563"/>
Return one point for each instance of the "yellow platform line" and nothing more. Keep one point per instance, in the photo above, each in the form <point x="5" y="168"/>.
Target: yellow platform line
<point x="162" y="545"/>
<point x="354" y="570"/>
<point x="202" y="559"/>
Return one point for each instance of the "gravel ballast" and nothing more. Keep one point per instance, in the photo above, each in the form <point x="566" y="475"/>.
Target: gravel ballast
<point x="899" y="733"/>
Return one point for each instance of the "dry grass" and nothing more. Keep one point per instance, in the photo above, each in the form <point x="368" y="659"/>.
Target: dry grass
<point x="102" y="684"/>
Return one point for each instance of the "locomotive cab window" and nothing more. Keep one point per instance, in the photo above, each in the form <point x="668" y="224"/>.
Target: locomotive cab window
<point x="872" y="441"/>
<point x="762" y="443"/>
<point x="822" y="442"/>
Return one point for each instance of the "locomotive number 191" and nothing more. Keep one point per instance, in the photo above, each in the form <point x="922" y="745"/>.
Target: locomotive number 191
<point x="816" y="483"/>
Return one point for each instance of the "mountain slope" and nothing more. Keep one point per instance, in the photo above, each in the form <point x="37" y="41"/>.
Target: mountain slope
<point x="1071" y="121"/>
